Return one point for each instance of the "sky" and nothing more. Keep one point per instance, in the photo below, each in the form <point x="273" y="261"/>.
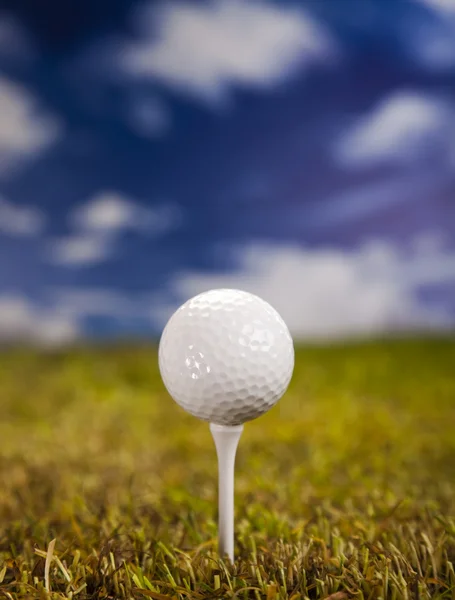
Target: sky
<point x="302" y="151"/>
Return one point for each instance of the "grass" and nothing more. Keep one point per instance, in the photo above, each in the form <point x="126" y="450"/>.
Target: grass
<point x="344" y="490"/>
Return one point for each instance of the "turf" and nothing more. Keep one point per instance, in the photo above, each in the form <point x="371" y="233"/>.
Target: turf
<point x="344" y="490"/>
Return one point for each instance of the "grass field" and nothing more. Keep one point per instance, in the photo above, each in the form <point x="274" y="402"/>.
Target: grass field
<point x="346" y="489"/>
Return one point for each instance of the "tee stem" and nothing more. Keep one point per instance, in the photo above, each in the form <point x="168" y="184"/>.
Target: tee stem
<point x="226" y="441"/>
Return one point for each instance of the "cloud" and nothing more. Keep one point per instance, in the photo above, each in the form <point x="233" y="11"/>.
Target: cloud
<point x="14" y="43"/>
<point x="93" y="302"/>
<point x="110" y="212"/>
<point x="21" y="321"/>
<point x="149" y="117"/>
<point x="79" y="250"/>
<point x="25" y="127"/>
<point x="430" y="242"/>
<point x="362" y="201"/>
<point x="334" y="293"/>
<point x="406" y="127"/>
<point x="106" y="212"/>
<point x="445" y="7"/>
<point x="428" y="38"/>
<point x="20" y="220"/>
<point x="125" y="310"/>
<point x="203" y="50"/>
<point x="97" y="226"/>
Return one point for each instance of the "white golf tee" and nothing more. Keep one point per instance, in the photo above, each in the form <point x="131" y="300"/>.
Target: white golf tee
<point x="226" y="441"/>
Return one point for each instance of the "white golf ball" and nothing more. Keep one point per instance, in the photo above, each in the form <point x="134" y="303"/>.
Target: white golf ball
<point x="226" y="356"/>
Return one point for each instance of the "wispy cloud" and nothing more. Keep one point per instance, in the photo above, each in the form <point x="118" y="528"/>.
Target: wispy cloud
<point x="111" y="212"/>
<point x="372" y="198"/>
<point x="429" y="39"/>
<point x="148" y="116"/>
<point x="98" y="224"/>
<point x="204" y="50"/>
<point x="124" y="309"/>
<point x="106" y="212"/>
<point x="21" y="320"/>
<point x="406" y="127"/>
<point x="14" y="42"/>
<point x="79" y="250"/>
<point x="333" y="293"/>
<point x="25" y="127"/>
<point x="83" y="302"/>
<point x="445" y="7"/>
<point x="21" y="221"/>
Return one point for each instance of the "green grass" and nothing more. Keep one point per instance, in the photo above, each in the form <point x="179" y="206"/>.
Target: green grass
<point x="346" y="488"/>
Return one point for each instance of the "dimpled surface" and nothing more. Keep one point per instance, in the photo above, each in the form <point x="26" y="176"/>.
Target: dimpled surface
<point x="226" y="356"/>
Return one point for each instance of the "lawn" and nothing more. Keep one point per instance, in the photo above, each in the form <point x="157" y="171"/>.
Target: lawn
<point x="345" y="489"/>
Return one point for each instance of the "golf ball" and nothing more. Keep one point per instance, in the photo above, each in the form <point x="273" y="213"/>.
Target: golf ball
<point x="226" y="356"/>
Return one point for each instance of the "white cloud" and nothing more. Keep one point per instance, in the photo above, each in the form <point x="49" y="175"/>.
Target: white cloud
<point x="79" y="250"/>
<point x="99" y="222"/>
<point x="106" y="212"/>
<point x="446" y="7"/>
<point x="25" y="128"/>
<point x="332" y="293"/>
<point x="21" y="321"/>
<point x="110" y="212"/>
<point x="205" y="49"/>
<point x="406" y="127"/>
<point x="84" y="302"/>
<point x="20" y="220"/>
<point x="149" y="117"/>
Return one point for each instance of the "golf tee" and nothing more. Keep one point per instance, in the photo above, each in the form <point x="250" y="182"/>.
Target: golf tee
<point x="226" y="441"/>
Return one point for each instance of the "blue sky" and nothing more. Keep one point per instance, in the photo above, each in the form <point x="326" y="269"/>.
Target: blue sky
<point x="304" y="151"/>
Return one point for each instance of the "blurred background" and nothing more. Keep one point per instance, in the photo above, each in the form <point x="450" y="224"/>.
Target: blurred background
<point x="303" y="151"/>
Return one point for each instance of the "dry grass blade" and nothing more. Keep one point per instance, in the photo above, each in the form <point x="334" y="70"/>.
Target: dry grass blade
<point x="47" y="566"/>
